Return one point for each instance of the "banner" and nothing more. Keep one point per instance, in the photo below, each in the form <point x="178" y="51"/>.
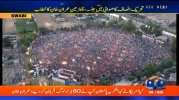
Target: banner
<point x="125" y="6"/>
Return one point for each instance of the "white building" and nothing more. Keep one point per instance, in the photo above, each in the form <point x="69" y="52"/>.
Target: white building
<point x="161" y="39"/>
<point x="63" y="74"/>
<point x="149" y="38"/>
<point x="172" y="77"/>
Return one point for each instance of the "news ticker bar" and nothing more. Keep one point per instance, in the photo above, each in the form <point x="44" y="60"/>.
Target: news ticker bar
<point x="86" y="91"/>
<point x="94" y="6"/>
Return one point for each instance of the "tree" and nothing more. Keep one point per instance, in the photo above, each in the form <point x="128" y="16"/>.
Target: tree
<point x="150" y="70"/>
<point x="157" y="32"/>
<point x="112" y="23"/>
<point x="173" y="48"/>
<point x="43" y="30"/>
<point x="152" y="29"/>
<point x="139" y="75"/>
<point x="105" y="81"/>
<point x="139" y="33"/>
<point x="23" y="31"/>
<point x="7" y="42"/>
<point x="100" y="24"/>
<point x="23" y="48"/>
<point x="64" y="29"/>
<point x="166" y="64"/>
<point x="30" y="83"/>
<point x="25" y="40"/>
<point x="89" y="24"/>
<point x="10" y="58"/>
<point x="173" y="24"/>
<point x="57" y="29"/>
<point x="128" y="26"/>
<point x="29" y="66"/>
<point x="10" y="62"/>
<point x="172" y="71"/>
<point x="143" y="28"/>
<point x="131" y="78"/>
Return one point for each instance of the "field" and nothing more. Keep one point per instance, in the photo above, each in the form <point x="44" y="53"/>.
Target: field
<point x="45" y="20"/>
<point x="9" y="26"/>
<point x="22" y="26"/>
<point x="171" y="17"/>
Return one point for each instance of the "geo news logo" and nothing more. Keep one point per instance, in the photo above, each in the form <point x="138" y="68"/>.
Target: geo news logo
<point x="155" y="83"/>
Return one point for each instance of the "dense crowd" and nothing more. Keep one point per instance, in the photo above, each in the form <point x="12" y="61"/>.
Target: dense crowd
<point x="96" y="53"/>
<point x="13" y="73"/>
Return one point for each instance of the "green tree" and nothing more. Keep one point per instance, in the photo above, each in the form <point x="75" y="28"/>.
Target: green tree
<point x="112" y="23"/>
<point x="166" y="64"/>
<point x="128" y="26"/>
<point x="150" y="70"/>
<point x="173" y="24"/>
<point x="139" y="33"/>
<point x="10" y="58"/>
<point x="26" y="39"/>
<point x="89" y="24"/>
<point x="152" y="29"/>
<point x="10" y="62"/>
<point x="131" y="78"/>
<point x="43" y="30"/>
<point x="173" y="48"/>
<point x="23" y="48"/>
<point x="7" y="42"/>
<point x="104" y="81"/>
<point x="100" y="24"/>
<point x="23" y="31"/>
<point x="29" y="65"/>
<point x="139" y="75"/>
<point x="143" y="28"/>
<point x="64" y="29"/>
<point x="157" y="32"/>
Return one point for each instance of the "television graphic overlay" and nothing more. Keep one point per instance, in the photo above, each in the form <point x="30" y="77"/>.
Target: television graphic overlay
<point x="156" y="84"/>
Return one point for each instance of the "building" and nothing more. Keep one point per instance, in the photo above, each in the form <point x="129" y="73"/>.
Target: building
<point x="63" y="74"/>
<point x="12" y="38"/>
<point x="172" y="77"/>
<point x="161" y="39"/>
<point x="58" y="17"/>
<point x="148" y="38"/>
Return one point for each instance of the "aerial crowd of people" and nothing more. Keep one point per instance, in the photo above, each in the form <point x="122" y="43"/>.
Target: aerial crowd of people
<point x="96" y="53"/>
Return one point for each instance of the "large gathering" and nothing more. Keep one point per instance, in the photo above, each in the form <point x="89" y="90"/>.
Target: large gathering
<point x="96" y="53"/>
<point x="89" y="49"/>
